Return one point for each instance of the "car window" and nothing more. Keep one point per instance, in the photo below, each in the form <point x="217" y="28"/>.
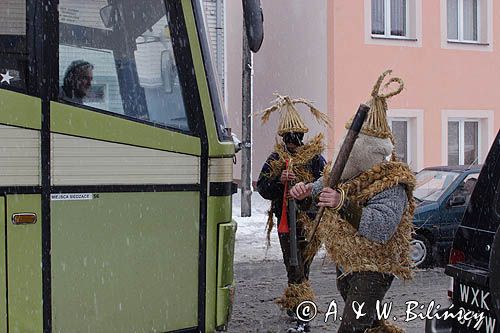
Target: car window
<point x="431" y="184"/>
<point x="466" y="187"/>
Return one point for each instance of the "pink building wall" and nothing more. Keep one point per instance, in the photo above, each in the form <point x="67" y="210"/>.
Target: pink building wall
<point x="436" y="79"/>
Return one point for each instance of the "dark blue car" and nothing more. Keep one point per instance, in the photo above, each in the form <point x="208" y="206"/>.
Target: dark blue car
<point x="441" y="194"/>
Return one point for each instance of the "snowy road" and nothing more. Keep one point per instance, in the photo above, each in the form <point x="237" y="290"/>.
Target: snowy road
<point x="260" y="278"/>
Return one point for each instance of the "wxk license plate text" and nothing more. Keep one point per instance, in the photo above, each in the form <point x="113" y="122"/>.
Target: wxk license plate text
<point x="475" y="305"/>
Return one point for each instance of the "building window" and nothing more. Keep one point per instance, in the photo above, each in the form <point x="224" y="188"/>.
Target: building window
<point x="463" y="142"/>
<point x="390" y="18"/>
<point x="393" y="22"/>
<point x="400" y="130"/>
<point x="463" y="20"/>
<point x="407" y="127"/>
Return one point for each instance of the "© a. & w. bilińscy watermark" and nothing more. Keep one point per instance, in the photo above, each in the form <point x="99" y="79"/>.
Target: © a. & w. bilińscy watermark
<point x="414" y="310"/>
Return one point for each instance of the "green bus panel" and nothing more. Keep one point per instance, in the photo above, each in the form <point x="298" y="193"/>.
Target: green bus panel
<point x="20" y="110"/>
<point x="225" y="273"/>
<point x="71" y="120"/>
<point x="218" y="211"/>
<point x="24" y="266"/>
<point x="3" y="273"/>
<point x="125" y="262"/>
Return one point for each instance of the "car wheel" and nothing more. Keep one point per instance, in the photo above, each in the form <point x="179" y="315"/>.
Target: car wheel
<point x="495" y="271"/>
<point x="421" y="251"/>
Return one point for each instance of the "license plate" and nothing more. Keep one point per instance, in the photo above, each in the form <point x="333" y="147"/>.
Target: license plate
<point x="474" y="309"/>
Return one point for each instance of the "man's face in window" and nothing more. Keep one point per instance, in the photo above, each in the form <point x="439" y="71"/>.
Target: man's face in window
<point x="83" y="80"/>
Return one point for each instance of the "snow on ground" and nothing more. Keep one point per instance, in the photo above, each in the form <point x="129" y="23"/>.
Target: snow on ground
<point x="251" y="233"/>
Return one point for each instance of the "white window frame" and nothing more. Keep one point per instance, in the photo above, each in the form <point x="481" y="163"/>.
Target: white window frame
<point x="460" y="19"/>
<point x="486" y="130"/>
<point x="415" y="133"/>
<point x="387" y="22"/>
<point x="413" y="27"/>
<point x="485" y="29"/>
<point x="461" y="138"/>
<point x="409" y="152"/>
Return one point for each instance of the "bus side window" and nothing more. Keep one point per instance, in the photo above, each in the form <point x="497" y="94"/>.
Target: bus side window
<point x="120" y="59"/>
<point x="14" y="51"/>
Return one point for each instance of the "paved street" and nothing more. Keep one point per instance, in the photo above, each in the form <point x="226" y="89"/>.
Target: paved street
<point x="260" y="283"/>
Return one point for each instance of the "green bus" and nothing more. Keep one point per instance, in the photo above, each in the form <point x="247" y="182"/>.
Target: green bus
<point x="115" y="169"/>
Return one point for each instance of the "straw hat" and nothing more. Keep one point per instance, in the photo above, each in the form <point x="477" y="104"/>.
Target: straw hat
<point x="290" y="120"/>
<point x="376" y="123"/>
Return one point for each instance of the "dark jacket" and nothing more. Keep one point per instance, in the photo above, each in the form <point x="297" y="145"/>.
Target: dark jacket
<point x="271" y="188"/>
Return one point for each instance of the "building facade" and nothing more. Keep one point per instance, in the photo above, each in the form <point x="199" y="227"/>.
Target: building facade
<point x="332" y="52"/>
<point x="215" y="13"/>
<point x="446" y="52"/>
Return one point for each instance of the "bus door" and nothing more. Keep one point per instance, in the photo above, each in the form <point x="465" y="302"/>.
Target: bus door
<point x="20" y="212"/>
<point x="126" y="170"/>
<point x="20" y="173"/>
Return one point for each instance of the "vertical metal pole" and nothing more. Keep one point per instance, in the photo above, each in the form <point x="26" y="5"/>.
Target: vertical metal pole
<point x="246" y="123"/>
<point x="46" y="45"/>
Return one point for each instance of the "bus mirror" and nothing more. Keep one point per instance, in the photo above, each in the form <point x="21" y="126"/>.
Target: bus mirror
<point x="106" y="13"/>
<point x="237" y="142"/>
<point x="254" y="23"/>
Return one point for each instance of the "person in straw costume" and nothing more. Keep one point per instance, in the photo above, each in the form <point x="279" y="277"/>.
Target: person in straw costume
<point x="367" y="225"/>
<point x="292" y="160"/>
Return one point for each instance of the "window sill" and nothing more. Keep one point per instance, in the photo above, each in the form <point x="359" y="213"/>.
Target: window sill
<point x="465" y="42"/>
<point x="406" y="39"/>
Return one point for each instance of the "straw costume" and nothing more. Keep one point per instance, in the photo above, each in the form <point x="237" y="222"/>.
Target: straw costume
<point x="368" y="233"/>
<point x="307" y="164"/>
